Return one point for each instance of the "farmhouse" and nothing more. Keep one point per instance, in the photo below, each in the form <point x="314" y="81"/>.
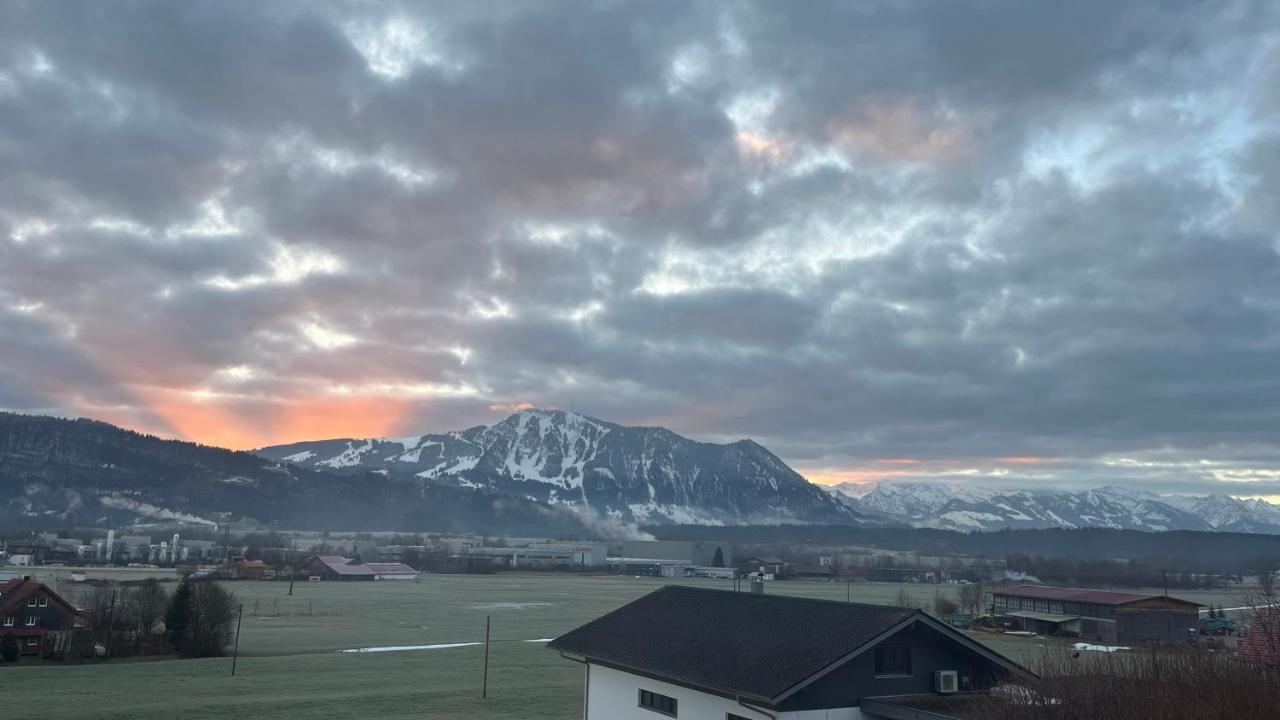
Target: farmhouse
<point x="30" y="610"/>
<point x="392" y="571"/>
<point x="336" y="567"/>
<point x="700" y="653"/>
<point x="1110" y="617"/>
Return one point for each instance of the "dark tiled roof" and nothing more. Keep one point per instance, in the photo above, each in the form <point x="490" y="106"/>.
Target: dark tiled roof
<point x="1097" y="597"/>
<point x="14" y="592"/>
<point x="342" y="565"/>
<point x="732" y="642"/>
<point x="393" y="568"/>
<point x="1261" y="644"/>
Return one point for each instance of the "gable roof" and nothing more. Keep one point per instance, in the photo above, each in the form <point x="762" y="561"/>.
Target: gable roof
<point x="14" y="592"/>
<point x="743" y="644"/>
<point x="1096" y="597"/>
<point x="1261" y="644"/>
<point x="342" y="565"/>
<point x="390" y="568"/>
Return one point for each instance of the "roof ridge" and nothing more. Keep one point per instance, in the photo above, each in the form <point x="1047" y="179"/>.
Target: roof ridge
<point x="841" y="603"/>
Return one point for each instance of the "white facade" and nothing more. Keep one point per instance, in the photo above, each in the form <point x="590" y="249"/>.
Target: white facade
<point x="615" y="695"/>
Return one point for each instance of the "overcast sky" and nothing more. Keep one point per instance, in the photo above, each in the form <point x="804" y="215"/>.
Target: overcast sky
<point x="996" y="242"/>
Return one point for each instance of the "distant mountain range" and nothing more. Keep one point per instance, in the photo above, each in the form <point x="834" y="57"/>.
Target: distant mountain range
<point x="536" y="472"/>
<point x="533" y="473"/>
<point x="965" y="507"/>
<point x="57" y="473"/>
<point x="646" y="475"/>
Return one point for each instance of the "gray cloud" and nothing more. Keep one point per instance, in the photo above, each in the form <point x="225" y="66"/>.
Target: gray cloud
<point x="853" y="232"/>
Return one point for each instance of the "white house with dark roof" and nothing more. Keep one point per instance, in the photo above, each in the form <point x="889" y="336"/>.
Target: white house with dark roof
<point x="722" y="655"/>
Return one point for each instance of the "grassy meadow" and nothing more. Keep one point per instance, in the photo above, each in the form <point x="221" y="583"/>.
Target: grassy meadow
<point x="290" y="665"/>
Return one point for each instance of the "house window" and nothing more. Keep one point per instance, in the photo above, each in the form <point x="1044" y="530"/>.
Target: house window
<point x="8" y="621"/>
<point x="893" y="660"/>
<point x="31" y="620"/>
<point x="31" y="602"/>
<point x="33" y="641"/>
<point x="658" y="703"/>
<point x="44" y="602"/>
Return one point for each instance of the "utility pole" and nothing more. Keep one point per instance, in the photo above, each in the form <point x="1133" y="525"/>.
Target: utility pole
<point x="111" y="620"/>
<point x="484" y="687"/>
<point x="235" y="654"/>
<point x="291" y="574"/>
<point x="847" y="584"/>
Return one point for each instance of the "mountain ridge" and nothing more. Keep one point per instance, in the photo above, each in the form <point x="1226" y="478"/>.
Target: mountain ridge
<point x="629" y="473"/>
<point x="984" y="508"/>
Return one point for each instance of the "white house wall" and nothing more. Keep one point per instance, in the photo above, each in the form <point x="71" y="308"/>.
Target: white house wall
<point x="615" y="695"/>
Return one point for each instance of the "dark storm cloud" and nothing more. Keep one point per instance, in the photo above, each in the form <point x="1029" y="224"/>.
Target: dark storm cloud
<point x="952" y="233"/>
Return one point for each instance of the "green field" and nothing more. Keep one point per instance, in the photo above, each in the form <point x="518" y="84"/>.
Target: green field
<point x="290" y="666"/>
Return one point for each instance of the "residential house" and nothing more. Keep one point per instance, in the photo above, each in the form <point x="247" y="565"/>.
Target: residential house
<point x="1101" y="615"/>
<point x="717" y="654"/>
<point x="30" y="610"/>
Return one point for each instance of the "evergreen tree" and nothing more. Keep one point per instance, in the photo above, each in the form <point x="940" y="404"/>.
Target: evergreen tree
<point x="178" y="618"/>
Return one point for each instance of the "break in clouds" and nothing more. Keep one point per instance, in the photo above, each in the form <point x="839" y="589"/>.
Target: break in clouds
<point x="1025" y="243"/>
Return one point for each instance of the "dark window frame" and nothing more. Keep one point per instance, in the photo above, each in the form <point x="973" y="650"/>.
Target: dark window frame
<point x="657" y="702"/>
<point x="883" y="657"/>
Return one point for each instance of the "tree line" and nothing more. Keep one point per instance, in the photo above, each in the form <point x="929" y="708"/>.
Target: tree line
<point x="195" y="620"/>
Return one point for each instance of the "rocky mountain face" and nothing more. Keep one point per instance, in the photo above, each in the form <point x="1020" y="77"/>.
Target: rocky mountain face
<point x="645" y="475"/>
<point x="985" y="508"/>
<point x="65" y="473"/>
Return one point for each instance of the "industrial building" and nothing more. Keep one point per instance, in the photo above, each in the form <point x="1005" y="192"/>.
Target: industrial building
<point x="1104" y="616"/>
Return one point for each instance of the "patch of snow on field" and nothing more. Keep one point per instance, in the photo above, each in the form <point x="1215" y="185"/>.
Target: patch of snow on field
<point x="399" y="648"/>
<point x="1099" y="648"/>
<point x="509" y="605"/>
<point x="299" y="457"/>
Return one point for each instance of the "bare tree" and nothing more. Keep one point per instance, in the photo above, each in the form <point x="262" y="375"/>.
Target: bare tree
<point x="1267" y="582"/>
<point x="101" y="611"/>
<point x="145" y="607"/>
<point x="971" y="597"/>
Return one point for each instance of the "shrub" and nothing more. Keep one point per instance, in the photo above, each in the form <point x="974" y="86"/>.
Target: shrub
<point x="9" y="649"/>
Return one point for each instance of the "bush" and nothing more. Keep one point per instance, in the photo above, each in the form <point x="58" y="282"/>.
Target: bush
<point x="1170" y="683"/>
<point x="9" y="649"/>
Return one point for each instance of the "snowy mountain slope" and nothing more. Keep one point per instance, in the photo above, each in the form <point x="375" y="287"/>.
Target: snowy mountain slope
<point x="958" y="507"/>
<point x="640" y="474"/>
<point x="57" y="473"/>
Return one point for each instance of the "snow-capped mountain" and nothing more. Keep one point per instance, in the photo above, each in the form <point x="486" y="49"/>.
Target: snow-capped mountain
<point x="640" y="474"/>
<point x="960" y="507"/>
<point x="57" y="473"/>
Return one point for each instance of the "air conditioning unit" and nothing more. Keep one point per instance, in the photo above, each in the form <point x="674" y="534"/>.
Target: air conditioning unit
<point x="945" y="681"/>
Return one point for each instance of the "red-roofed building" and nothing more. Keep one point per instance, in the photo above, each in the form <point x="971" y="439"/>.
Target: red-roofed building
<point x="336" y="567"/>
<point x="30" y="610"/>
<point x="1109" y="617"/>
<point x="250" y="569"/>
<point x="1261" y="643"/>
